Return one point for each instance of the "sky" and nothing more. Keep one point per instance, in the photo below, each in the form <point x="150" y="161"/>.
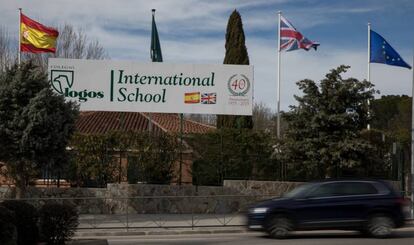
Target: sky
<point x="193" y="31"/>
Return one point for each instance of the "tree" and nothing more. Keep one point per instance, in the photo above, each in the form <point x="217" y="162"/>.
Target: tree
<point x="324" y="130"/>
<point x="236" y="53"/>
<point x="97" y="158"/>
<point x="392" y="115"/>
<point x="6" y="56"/>
<point x="154" y="157"/>
<point x="231" y="154"/>
<point x="93" y="160"/>
<point x="262" y="117"/>
<point x="35" y="123"/>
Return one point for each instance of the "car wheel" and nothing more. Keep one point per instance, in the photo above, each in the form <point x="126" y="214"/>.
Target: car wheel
<point x="380" y="226"/>
<point x="279" y="227"/>
<point x="363" y="232"/>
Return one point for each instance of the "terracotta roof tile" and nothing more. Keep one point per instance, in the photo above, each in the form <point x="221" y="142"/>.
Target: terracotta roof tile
<point x="100" y="122"/>
<point x="171" y="123"/>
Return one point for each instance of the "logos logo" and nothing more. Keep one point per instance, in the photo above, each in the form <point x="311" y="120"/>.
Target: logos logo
<point x="238" y="85"/>
<point x="62" y="82"/>
<point x="61" y="79"/>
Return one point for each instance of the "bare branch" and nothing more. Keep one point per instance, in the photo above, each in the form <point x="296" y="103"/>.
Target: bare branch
<point x="6" y="55"/>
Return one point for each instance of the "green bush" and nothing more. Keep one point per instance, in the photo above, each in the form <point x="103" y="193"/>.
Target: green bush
<point x="26" y="217"/>
<point x="58" y="222"/>
<point x="7" y="228"/>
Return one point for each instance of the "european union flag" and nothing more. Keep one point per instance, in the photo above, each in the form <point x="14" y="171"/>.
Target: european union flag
<point x="382" y="52"/>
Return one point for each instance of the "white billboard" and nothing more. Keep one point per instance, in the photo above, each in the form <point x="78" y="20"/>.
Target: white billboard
<point x="105" y="85"/>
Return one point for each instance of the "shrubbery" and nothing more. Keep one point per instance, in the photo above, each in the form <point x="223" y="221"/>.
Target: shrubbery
<point x="232" y="154"/>
<point x="7" y="228"/>
<point x="58" y="222"/>
<point x="19" y="223"/>
<point x="26" y="217"/>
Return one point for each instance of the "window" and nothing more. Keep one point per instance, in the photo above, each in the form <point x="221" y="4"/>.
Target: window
<point x="299" y="191"/>
<point x="359" y="188"/>
<point x="343" y="189"/>
<point x="326" y="190"/>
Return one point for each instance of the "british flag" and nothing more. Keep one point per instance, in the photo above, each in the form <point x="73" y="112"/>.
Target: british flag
<point x="291" y="39"/>
<point x="208" y="98"/>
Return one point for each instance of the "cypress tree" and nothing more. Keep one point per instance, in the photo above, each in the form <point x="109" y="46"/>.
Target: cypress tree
<point x="236" y="53"/>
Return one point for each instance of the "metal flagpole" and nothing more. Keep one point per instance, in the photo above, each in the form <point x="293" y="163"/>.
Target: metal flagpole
<point x="412" y="143"/>
<point x="181" y="150"/>
<point x="19" y="53"/>
<point x="279" y="13"/>
<point x="369" y="66"/>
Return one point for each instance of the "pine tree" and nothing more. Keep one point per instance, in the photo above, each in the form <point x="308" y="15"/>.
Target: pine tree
<point x="236" y="53"/>
<point x="35" y="124"/>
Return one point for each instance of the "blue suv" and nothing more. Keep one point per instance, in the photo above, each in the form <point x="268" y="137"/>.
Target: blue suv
<point x="369" y="206"/>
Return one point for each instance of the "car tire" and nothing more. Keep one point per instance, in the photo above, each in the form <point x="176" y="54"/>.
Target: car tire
<point x="279" y="227"/>
<point x="380" y="226"/>
<point x="364" y="232"/>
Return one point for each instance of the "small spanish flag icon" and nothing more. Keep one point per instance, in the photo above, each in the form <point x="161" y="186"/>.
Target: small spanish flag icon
<point x="192" y="98"/>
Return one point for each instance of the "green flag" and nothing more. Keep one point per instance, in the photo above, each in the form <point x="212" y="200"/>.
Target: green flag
<point x="156" y="55"/>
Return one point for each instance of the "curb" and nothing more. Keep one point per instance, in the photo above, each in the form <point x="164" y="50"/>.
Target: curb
<point x="82" y="235"/>
<point x="79" y="235"/>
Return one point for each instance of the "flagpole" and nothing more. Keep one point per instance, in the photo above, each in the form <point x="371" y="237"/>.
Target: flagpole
<point x="19" y="53"/>
<point x="279" y="13"/>
<point x="369" y="67"/>
<point x="412" y="143"/>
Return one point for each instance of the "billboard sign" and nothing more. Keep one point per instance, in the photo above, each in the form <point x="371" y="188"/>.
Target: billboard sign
<point x="105" y="85"/>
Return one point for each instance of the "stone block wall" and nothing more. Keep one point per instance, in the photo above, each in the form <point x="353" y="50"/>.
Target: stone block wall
<point x="140" y="199"/>
<point x="273" y="188"/>
<point x="234" y="196"/>
<point x="253" y="187"/>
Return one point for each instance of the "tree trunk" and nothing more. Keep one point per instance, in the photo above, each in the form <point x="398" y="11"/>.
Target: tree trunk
<point x="20" y="187"/>
<point x="21" y="178"/>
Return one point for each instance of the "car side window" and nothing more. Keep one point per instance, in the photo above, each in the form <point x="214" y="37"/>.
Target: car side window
<point x="359" y="188"/>
<point x="343" y="189"/>
<point x="326" y="190"/>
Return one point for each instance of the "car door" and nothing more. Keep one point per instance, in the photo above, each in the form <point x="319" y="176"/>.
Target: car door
<point x="323" y="206"/>
<point x="358" y="196"/>
<point x="338" y="204"/>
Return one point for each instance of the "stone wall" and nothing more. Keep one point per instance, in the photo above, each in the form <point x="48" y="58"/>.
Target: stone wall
<point x="273" y="188"/>
<point x="253" y="187"/>
<point x="141" y="198"/>
<point x="234" y="196"/>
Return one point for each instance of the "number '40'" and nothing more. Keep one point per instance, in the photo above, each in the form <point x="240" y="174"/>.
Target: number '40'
<point x="238" y="84"/>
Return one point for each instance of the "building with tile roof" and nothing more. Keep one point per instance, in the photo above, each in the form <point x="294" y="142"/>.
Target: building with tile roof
<point x="102" y="122"/>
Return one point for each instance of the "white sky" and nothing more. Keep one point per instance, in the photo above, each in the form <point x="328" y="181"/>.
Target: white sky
<point x="192" y="31"/>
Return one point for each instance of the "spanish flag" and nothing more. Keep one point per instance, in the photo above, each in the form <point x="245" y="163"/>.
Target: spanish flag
<point x="35" y="37"/>
<point x="192" y="98"/>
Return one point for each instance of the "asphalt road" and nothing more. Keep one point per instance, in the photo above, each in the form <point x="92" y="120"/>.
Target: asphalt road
<point x="401" y="237"/>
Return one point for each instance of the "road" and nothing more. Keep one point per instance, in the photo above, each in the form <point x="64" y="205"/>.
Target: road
<point x="401" y="237"/>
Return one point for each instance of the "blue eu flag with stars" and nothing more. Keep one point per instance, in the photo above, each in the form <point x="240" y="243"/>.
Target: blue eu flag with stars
<point x="382" y="52"/>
